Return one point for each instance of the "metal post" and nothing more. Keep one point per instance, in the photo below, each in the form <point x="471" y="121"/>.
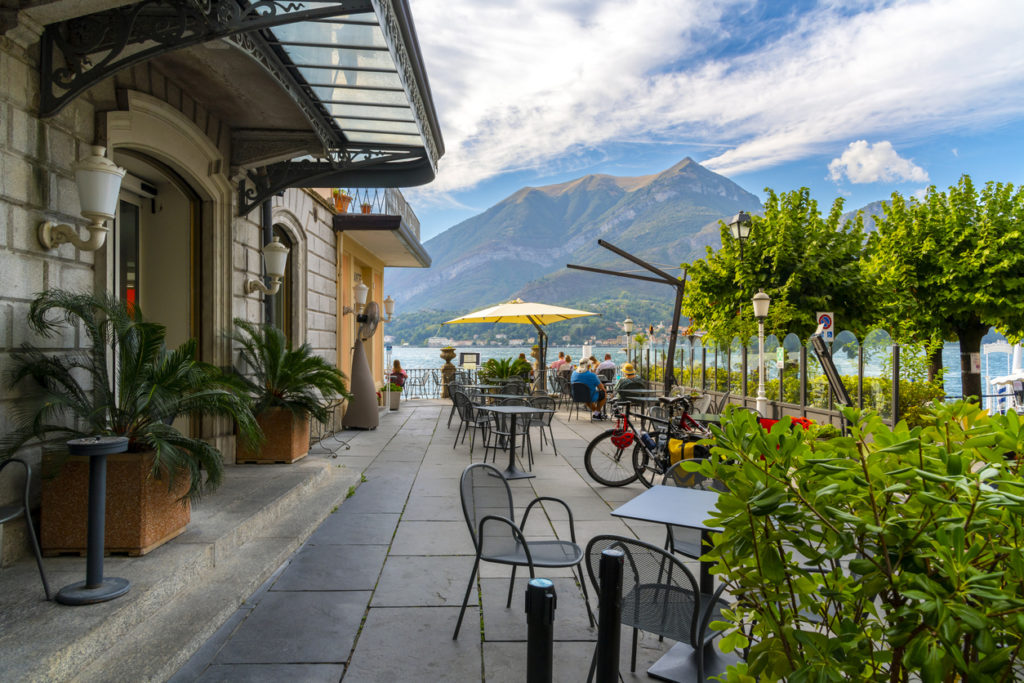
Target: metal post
<point x="609" y="616"/>
<point x="762" y="400"/>
<point x="803" y="381"/>
<point x="97" y="521"/>
<point x="540" y="634"/>
<point x="895" y="383"/>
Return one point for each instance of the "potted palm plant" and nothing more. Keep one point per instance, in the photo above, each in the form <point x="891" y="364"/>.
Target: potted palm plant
<point x="137" y="391"/>
<point x="286" y="387"/>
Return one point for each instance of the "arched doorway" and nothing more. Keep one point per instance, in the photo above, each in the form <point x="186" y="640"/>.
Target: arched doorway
<point x="156" y="242"/>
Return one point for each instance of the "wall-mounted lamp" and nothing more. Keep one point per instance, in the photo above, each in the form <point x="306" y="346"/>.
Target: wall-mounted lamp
<point x="359" y="292"/>
<point x="275" y="256"/>
<point x="389" y="308"/>
<point x="99" y="182"/>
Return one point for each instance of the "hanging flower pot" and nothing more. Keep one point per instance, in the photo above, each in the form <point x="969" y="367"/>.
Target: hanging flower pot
<point x="341" y="201"/>
<point x="365" y="207"/>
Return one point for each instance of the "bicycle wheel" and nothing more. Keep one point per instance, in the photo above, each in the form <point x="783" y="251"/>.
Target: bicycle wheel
<point x="608" y="464"/>
<point x="648" y="467"/>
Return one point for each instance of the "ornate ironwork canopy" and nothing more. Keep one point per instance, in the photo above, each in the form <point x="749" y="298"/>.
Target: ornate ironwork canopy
<point x="351" y="66"/>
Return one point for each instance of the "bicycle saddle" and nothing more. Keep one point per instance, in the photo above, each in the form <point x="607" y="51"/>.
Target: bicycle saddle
<point x="675" y="401"/>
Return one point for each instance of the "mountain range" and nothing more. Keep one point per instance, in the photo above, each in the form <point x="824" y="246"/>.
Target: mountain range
<point x="521" y="245"/>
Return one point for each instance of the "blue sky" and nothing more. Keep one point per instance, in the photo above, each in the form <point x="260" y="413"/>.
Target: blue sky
<point x="855" y="99"/>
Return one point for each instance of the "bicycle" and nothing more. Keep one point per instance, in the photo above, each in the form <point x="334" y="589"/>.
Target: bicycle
<point x="650" y="457"/>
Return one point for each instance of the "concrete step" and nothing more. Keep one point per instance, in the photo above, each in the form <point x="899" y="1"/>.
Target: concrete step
<point x="181" y="592"/>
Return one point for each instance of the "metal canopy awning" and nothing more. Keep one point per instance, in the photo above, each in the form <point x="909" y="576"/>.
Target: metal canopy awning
<point x="352" y="67"/>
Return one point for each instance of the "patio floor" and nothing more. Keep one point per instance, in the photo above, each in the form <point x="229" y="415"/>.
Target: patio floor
<point x="374" y="593"/>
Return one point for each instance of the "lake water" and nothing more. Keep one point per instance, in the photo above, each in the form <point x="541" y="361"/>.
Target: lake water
<point x="429" y="357"/>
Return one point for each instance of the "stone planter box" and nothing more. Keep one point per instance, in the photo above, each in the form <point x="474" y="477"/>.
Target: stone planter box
<point x="287" y="438"/>
<point x="141" y="514"/>
<point x="396" y="398"/>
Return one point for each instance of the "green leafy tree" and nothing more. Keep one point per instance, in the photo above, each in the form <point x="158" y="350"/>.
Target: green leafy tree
<point x="805" y="262"/>
<point x="951" y="266"/>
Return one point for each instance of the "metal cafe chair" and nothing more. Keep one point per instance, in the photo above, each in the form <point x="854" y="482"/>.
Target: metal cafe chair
<point x="580" y="394"/>
<point x="13" y="511"/>
<point x="487" y="507"/>
<point x="659" y="595"/>
<point x="471" y="420"/>
<point x="543" y="420"/>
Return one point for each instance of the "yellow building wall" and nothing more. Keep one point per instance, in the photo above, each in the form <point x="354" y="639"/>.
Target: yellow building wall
<point x="353" y="259"/>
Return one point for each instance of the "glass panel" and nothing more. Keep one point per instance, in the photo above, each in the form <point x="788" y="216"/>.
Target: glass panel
<point x="845" y="352"/>
<point x="325" y="92"/>
<point x="385" y="137"/>
<point x="379" y="126"/>
<point x="791" y="382"/>
<point x="372" y="79"/>
<point x="818" y="389"/>
<point x="332" y="33"/>
<point x="752" y="365"/>
<point x="878" y="372"/>
<point x="771" y="375"/>
<point x="304" y="55"/>
<point x="128" y="253"/>
<point x="736" y="366"/>
<point x="380" y="113"/>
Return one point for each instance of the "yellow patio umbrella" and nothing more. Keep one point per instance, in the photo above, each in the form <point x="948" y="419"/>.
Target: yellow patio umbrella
<point x="526" y="313"/>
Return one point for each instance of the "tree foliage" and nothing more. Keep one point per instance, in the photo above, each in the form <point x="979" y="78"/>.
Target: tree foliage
<point x="803" y="261"/>
<point x="892" y="554"/>
<point x="951" y="265"/>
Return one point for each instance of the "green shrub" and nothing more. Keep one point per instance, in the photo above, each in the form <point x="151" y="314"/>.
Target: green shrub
<point x="892" y="554"/>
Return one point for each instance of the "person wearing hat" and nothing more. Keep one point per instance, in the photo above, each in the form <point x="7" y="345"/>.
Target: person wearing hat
<point x="628" y="381"/>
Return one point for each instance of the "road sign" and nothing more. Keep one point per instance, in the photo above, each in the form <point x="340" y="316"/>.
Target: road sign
<point x="827" y="323"/>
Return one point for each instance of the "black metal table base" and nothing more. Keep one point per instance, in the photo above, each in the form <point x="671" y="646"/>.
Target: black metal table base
<point x="80" y="594"/>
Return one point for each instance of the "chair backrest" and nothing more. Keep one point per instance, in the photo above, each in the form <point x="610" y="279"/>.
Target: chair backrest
<point x="543" y="402"/>
<point x="463" y="405"/>
<point x="659" y="594"/>
<point x="702" y="404"/>
<point x="607" y="374"/>
<point x="580" y="393"/>
<point x="723" y="403"/>
<point x="516" y="386"/>
<point x="484" y="491"/>
<point x="514" y="402"/>
<point x="15" y="510"/>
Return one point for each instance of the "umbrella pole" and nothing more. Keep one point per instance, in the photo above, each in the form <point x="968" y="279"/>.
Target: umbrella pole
<point x="542" y="360"/>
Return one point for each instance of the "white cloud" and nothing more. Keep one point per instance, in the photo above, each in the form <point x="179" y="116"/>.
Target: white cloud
<point x="863" y="162"/>
<point x="522" y="84"/>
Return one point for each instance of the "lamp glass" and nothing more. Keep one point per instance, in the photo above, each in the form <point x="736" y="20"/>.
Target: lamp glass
<point x="360" y="291"/>
<point x="761" y="303"/>
<point x="740" y="226"/>
<point x="627" y="326"/>
<point x="275" y="257"/>
<point x="99" y="182"/>
<point x="389" y="306"/>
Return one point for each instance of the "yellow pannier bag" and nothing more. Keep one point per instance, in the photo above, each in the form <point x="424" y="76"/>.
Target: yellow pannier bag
<point x="681" y="450"/>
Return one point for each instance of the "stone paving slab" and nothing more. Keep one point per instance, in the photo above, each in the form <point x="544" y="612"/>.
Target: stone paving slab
<point x="272" y="673"/>
<point x="333" y="568"/>
<point x="356" y="528"/>
<point x="280" y="629"/>
<point x="415" y="644"/>
<point x="415" y="581"/>
<point x="432" y="538"/>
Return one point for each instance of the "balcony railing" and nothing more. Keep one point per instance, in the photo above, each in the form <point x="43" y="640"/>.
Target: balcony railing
<point x="382" y="201"/>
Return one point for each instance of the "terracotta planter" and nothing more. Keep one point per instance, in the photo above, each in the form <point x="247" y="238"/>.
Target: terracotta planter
<point x="287" y="438"/>
<point x="341" y="202"/>
<point x="365" y="208"/>
<point x="141" y="514"/>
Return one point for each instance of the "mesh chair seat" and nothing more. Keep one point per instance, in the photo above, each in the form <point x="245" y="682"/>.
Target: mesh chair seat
<point x="543" y="553"/>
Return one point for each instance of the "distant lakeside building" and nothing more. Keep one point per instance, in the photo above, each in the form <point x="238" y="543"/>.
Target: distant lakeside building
<point x="440" y="341"/>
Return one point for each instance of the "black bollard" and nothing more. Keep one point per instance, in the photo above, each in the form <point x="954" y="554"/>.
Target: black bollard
<point x="540" y="632"/>
<point x="609" y="616"/>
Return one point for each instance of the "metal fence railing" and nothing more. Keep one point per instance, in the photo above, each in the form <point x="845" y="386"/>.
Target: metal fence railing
<point x="427" y="382"/>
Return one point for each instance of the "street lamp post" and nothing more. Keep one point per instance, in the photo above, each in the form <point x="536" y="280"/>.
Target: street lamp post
<point x="761" y="303"/>
<point x="739" y="226"/>
<point x="627" y="327"/>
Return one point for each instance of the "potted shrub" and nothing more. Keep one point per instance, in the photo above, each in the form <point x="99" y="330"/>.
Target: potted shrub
<point x="138" y="392"/>
<point x="396" y="394"/>
<point x="892" y="554"/>
<point x="286" y="388"/>
<point x="504" y="368"/>
<point x="341" y="199"/>
<point x="365" y="207"/>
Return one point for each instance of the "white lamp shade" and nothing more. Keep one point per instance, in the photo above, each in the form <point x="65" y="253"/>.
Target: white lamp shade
<point x="740" y="225"/>
<point x="360" y="291"/>
<point x="627" y="326"/>
<point x="99" y="182"/>
<point x="389" y="306"/>
<point x="761" y="303"/>
<point x="275" y="257"/>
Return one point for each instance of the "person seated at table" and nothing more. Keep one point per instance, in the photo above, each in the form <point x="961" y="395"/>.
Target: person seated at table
<point x="558" y="362"/>
<point x="606" y="364"/>
<point x="566" y="370"/>
<point x="398" y="375"/>
<point x="597" y="393"/>
<point x="629" y="381"/>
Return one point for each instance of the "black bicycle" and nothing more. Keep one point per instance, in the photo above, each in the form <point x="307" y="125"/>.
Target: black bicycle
<point x="621" y="455"/>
